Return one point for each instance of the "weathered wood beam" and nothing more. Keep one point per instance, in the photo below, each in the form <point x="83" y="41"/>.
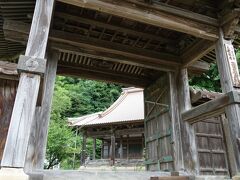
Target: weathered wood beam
<point x="197" y="51"/>
<point x="119" y="28"/>
<point x="39" y="131"/>
<point x="189" y="148"/>
<point x="106" y="56"/>
<point x="101" y="75"/>
<point x="176" y="124"/>
<point x="199" y="67"/>
<point x="196" y="67"/>
<point x="229" y="23"/>
<point x="132" y="131"/>
<point x="17" y="31"/>
<point x="146" y="62"/>
<point x="230" y="79"/>
<point x="25" y="103"/>
<point x="152" y="16"/>
<point x="212" y="108"/>
<point x="155" y="4"/>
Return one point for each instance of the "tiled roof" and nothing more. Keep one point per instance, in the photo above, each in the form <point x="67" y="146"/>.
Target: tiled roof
<point x="199" y="96"/>
<point x="128" y="107"/>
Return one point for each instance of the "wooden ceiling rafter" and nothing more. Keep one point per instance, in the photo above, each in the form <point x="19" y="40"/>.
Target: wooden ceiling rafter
<point x="133" y="41"/>
<point x="151" y="16"/>
<point x="101" y="75"/>
<point x="13" y="27"/>
<point x="167" y="7"/>
<point x="196" y="52"/>
<point x="111" y="57"/>
<point x="112" y="27"/>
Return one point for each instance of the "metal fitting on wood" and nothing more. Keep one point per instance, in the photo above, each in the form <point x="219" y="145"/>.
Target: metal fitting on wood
<point x="31" y="65"/>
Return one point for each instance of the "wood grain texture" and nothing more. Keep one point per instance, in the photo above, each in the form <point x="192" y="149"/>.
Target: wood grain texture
<point x="153" y="17"/>
<point x="232" y="111"/>
<point x="187" y="132"/>
<point x="211" y="146"/>
<point x="26" y="98"/>
<point x="61" y="40"/>
<point x="211" y="108"/>
<point x="8" y="89"/>
<point x="158" y="126"/>
<point x="39" y="130"/>
<point x="175" y="116"/>
<point x="23" y="113"/>
<point x="197" y="51"/>
<point x="37" y="41"/>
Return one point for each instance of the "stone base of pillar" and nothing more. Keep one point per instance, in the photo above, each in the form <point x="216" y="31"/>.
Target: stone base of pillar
<point x="13" y="174"/>
<point x="211" y="177"/>
<point x="236" y="177"/>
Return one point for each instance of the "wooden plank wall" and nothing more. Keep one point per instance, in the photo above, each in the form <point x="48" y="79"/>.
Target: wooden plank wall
<point x="7" y="96"/>
<point x="158" y="131"/>
<point x="211" y="147"/>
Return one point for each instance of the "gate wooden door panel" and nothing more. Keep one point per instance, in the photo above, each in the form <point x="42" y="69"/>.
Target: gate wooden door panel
<point x="7" y="97"/>
<point x="158" y="131"/>
<point x="211" y="146"/>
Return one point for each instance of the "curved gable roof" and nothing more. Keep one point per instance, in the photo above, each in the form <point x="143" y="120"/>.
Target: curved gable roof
<point x="127" y="108"/>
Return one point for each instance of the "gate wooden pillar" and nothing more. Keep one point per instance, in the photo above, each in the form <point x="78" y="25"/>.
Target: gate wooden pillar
<point x="94" y="148"/>
<point x="230" y="81"/>
<point x="39" y="131"/>
<point x="175" y="118"/>
<point x="31" y="66"/>
<point x="187" y="131"/>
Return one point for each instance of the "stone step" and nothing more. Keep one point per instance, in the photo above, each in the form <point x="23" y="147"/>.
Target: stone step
<point x="94" y="175"/>
<point x="170" y="178"/>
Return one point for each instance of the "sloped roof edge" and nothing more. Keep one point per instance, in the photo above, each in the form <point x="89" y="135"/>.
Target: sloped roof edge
<point x="108" y="115"/>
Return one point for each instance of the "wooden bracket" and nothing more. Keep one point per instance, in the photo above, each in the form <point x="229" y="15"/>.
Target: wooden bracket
<point x="234" y="97"/>
<point x="31" y="65"/>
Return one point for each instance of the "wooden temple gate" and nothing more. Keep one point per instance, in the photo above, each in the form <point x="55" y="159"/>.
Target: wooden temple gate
<point x="158" y="126"/>
<point x="150" y="44"/>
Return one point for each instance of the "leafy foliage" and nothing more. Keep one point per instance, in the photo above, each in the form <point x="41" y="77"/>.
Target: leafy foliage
<point x="210" y="80"/>
<point x="72" y="98"/>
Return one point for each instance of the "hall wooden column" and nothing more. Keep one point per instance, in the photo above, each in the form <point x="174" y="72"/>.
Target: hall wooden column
<point x="121" y="147"/>
<point x="31" y="67"/>
<point x="94" y="148"/>
<point x="127" y="147"/>
<point x="188" y="143"/>
<point x="113" y="149"/>
<point x="230" y="81"/>
<point x="83" y="154"/>
<point x="102" y="150"/>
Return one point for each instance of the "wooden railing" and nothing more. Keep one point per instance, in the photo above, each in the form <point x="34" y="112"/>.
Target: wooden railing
<point x="212" y="108"/>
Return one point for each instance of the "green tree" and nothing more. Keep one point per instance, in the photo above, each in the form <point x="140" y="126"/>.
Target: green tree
<point x="210" y="80"/>
<point x="74" y="97"/>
